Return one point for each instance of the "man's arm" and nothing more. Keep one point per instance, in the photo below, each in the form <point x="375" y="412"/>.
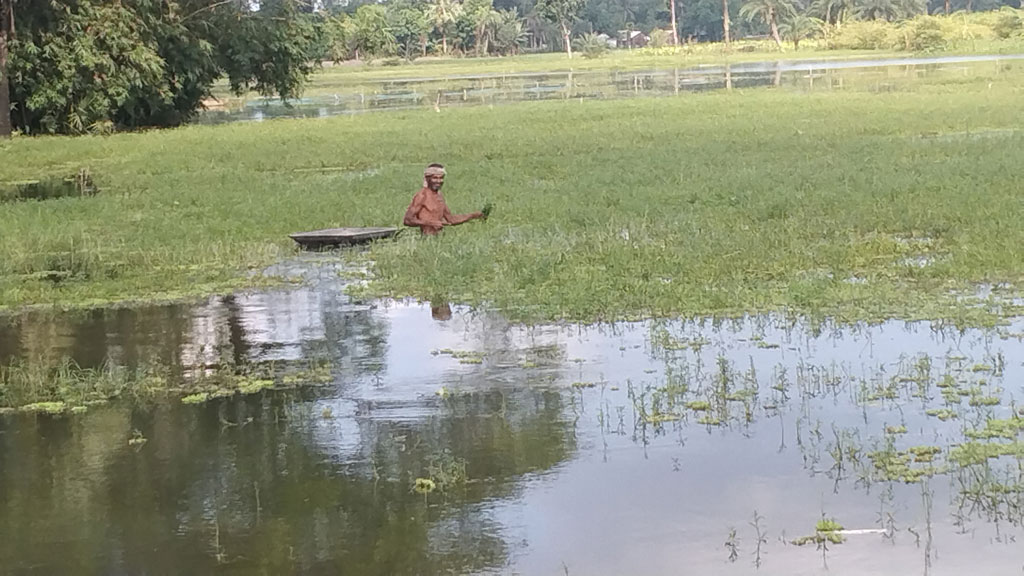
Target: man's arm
<point x="413" y="212"/>
<point x="456" y="219"/>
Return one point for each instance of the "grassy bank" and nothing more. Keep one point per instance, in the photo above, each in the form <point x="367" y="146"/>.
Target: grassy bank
<point x="863" y="202"/>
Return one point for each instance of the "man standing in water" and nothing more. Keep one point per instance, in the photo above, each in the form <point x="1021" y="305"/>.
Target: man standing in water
<point x="428" y="210"/>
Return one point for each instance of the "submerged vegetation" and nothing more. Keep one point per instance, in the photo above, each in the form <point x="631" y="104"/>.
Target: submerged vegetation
<point x="38" y="386"/>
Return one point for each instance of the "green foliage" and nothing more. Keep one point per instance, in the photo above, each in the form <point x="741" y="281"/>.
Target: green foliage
<point x="591" y="45"/>
<point x="798" y="27"/>
<point x="88" y="65"/>
<point x="561" y="12"/>
<point x="863" y="35"/>
<point x="1008" y="24"/>
<point x="925" y="34"/>
<point x="371" y="31"/>
<point x="572" y="247"/>
<point x="72" y="76"/>
<point x="659" y="38"/>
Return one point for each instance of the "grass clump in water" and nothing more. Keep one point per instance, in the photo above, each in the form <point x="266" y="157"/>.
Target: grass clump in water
<point x="827" y="530"/>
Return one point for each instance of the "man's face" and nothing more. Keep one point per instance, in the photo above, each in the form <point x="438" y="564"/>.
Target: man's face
<point x="434" y="182"/>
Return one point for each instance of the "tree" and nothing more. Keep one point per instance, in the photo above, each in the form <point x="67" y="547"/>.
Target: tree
<point x="372" y="31"/>
<point x="830" y="11"/>
<point x="799" y="27"/>
<point x="768" y="11"/>
<point x="876" y="9"/>
<point x="562" y="13"/>
<point x="409" y="26"/>
<point x="510" y="34"/>
<point x="675" y="28"/>
<point x="6" y="33"/>
<point x="443" y="14"/>
<point x="82" y="65"/>
<point x="484" y="19"/>
<point x="725" y="21"/>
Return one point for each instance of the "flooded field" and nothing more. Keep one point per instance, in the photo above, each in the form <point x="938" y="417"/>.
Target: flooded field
<point x="329" y="99"/>
<point x="446" y="440"/>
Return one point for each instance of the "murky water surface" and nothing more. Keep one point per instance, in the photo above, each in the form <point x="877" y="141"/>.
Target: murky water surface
<point x="491" y="89"/>
<point x="644" y="448"/>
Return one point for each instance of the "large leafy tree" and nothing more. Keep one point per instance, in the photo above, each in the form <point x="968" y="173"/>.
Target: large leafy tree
<point x="563" y="13"/>
<point x="409" y="25"/>
<point x="80" y="65"/>
<point x="372" y="31"/>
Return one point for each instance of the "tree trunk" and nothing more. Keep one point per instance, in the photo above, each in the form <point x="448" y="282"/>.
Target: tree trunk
<point x="444" y="43"/>
<point x="947" y="7"/>
<point x="6" y="29"/>
<point x="775" y="28"/>
<point x="568" y="44"/>
<point x="970" y="5"/>
<point x="675" y="29"/>
<point x="725" y="21"/>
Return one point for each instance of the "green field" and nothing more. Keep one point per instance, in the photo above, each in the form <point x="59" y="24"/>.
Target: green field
<point x="857" y="202"/>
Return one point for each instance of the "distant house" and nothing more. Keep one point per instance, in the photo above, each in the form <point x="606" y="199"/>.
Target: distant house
<point x="611" y="42"/>
<point x="632" y="39"/>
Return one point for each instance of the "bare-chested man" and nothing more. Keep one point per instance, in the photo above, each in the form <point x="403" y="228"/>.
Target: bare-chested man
<point x="428" y="210"/>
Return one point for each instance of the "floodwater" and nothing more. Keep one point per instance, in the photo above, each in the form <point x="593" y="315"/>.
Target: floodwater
<point x="495" y="89"/>
<point x="650" y="448"/>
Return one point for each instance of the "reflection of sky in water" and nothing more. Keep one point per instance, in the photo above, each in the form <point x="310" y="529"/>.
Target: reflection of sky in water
<point x="623" y="500"/>
<point x="489" y="89"/>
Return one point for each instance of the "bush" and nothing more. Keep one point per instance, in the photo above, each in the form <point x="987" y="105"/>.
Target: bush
<point x="925" y="34"/>
<point x="1008" y="24"/>
<point x="863" y="35"/>
<point x="659" y="38"/>
<point x="591" y="45"/>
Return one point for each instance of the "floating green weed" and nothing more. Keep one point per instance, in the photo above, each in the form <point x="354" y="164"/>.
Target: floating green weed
<point x="196" y="398"/>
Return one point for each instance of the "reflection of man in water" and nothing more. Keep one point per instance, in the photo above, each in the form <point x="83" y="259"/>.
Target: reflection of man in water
<point x="440" y="311"/>
<point x="428" y="209"/>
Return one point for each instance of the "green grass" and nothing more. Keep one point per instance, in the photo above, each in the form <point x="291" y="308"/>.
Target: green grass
<point x="716" y="203"/>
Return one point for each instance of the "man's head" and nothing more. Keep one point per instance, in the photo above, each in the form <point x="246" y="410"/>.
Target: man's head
<point x="433" y="176"/>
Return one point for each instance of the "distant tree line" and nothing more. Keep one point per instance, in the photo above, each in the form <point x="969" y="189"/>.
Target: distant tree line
<point x="76" y="66"/>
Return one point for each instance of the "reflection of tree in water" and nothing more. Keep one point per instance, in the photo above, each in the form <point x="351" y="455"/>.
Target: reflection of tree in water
<point x="211" y="487"/>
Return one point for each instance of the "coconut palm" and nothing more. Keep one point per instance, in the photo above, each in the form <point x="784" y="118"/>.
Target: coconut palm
<point x="442" y="14"/>
<point x="799" y="27"/>
<point x="831" y="11"/>
<point x="769" y="12"/>
<point x="877" y="9"/>
<point x="510" y="33"/>
<point x="485" y="22"/>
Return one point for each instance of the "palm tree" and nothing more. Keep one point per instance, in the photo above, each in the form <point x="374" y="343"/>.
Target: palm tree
<point x="830" y="11"/>
<point x="799" y="27"/>
<point x="510" y="33"/>
<point x="485" y="22"/>
<point x="442" y="14"/>
<point x="876" y="9"/>
<point x="675" y="29"/>
<point x="768" y="11"/>
<point x="725" y="21"/>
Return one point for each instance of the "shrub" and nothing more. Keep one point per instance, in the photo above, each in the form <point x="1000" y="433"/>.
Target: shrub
<point x="591" y="45"/>
<point x="863" y="35"/>
<point x="1008" y="24"/>
<point x="659" y="38"/>
<point x="925" y="34"/>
